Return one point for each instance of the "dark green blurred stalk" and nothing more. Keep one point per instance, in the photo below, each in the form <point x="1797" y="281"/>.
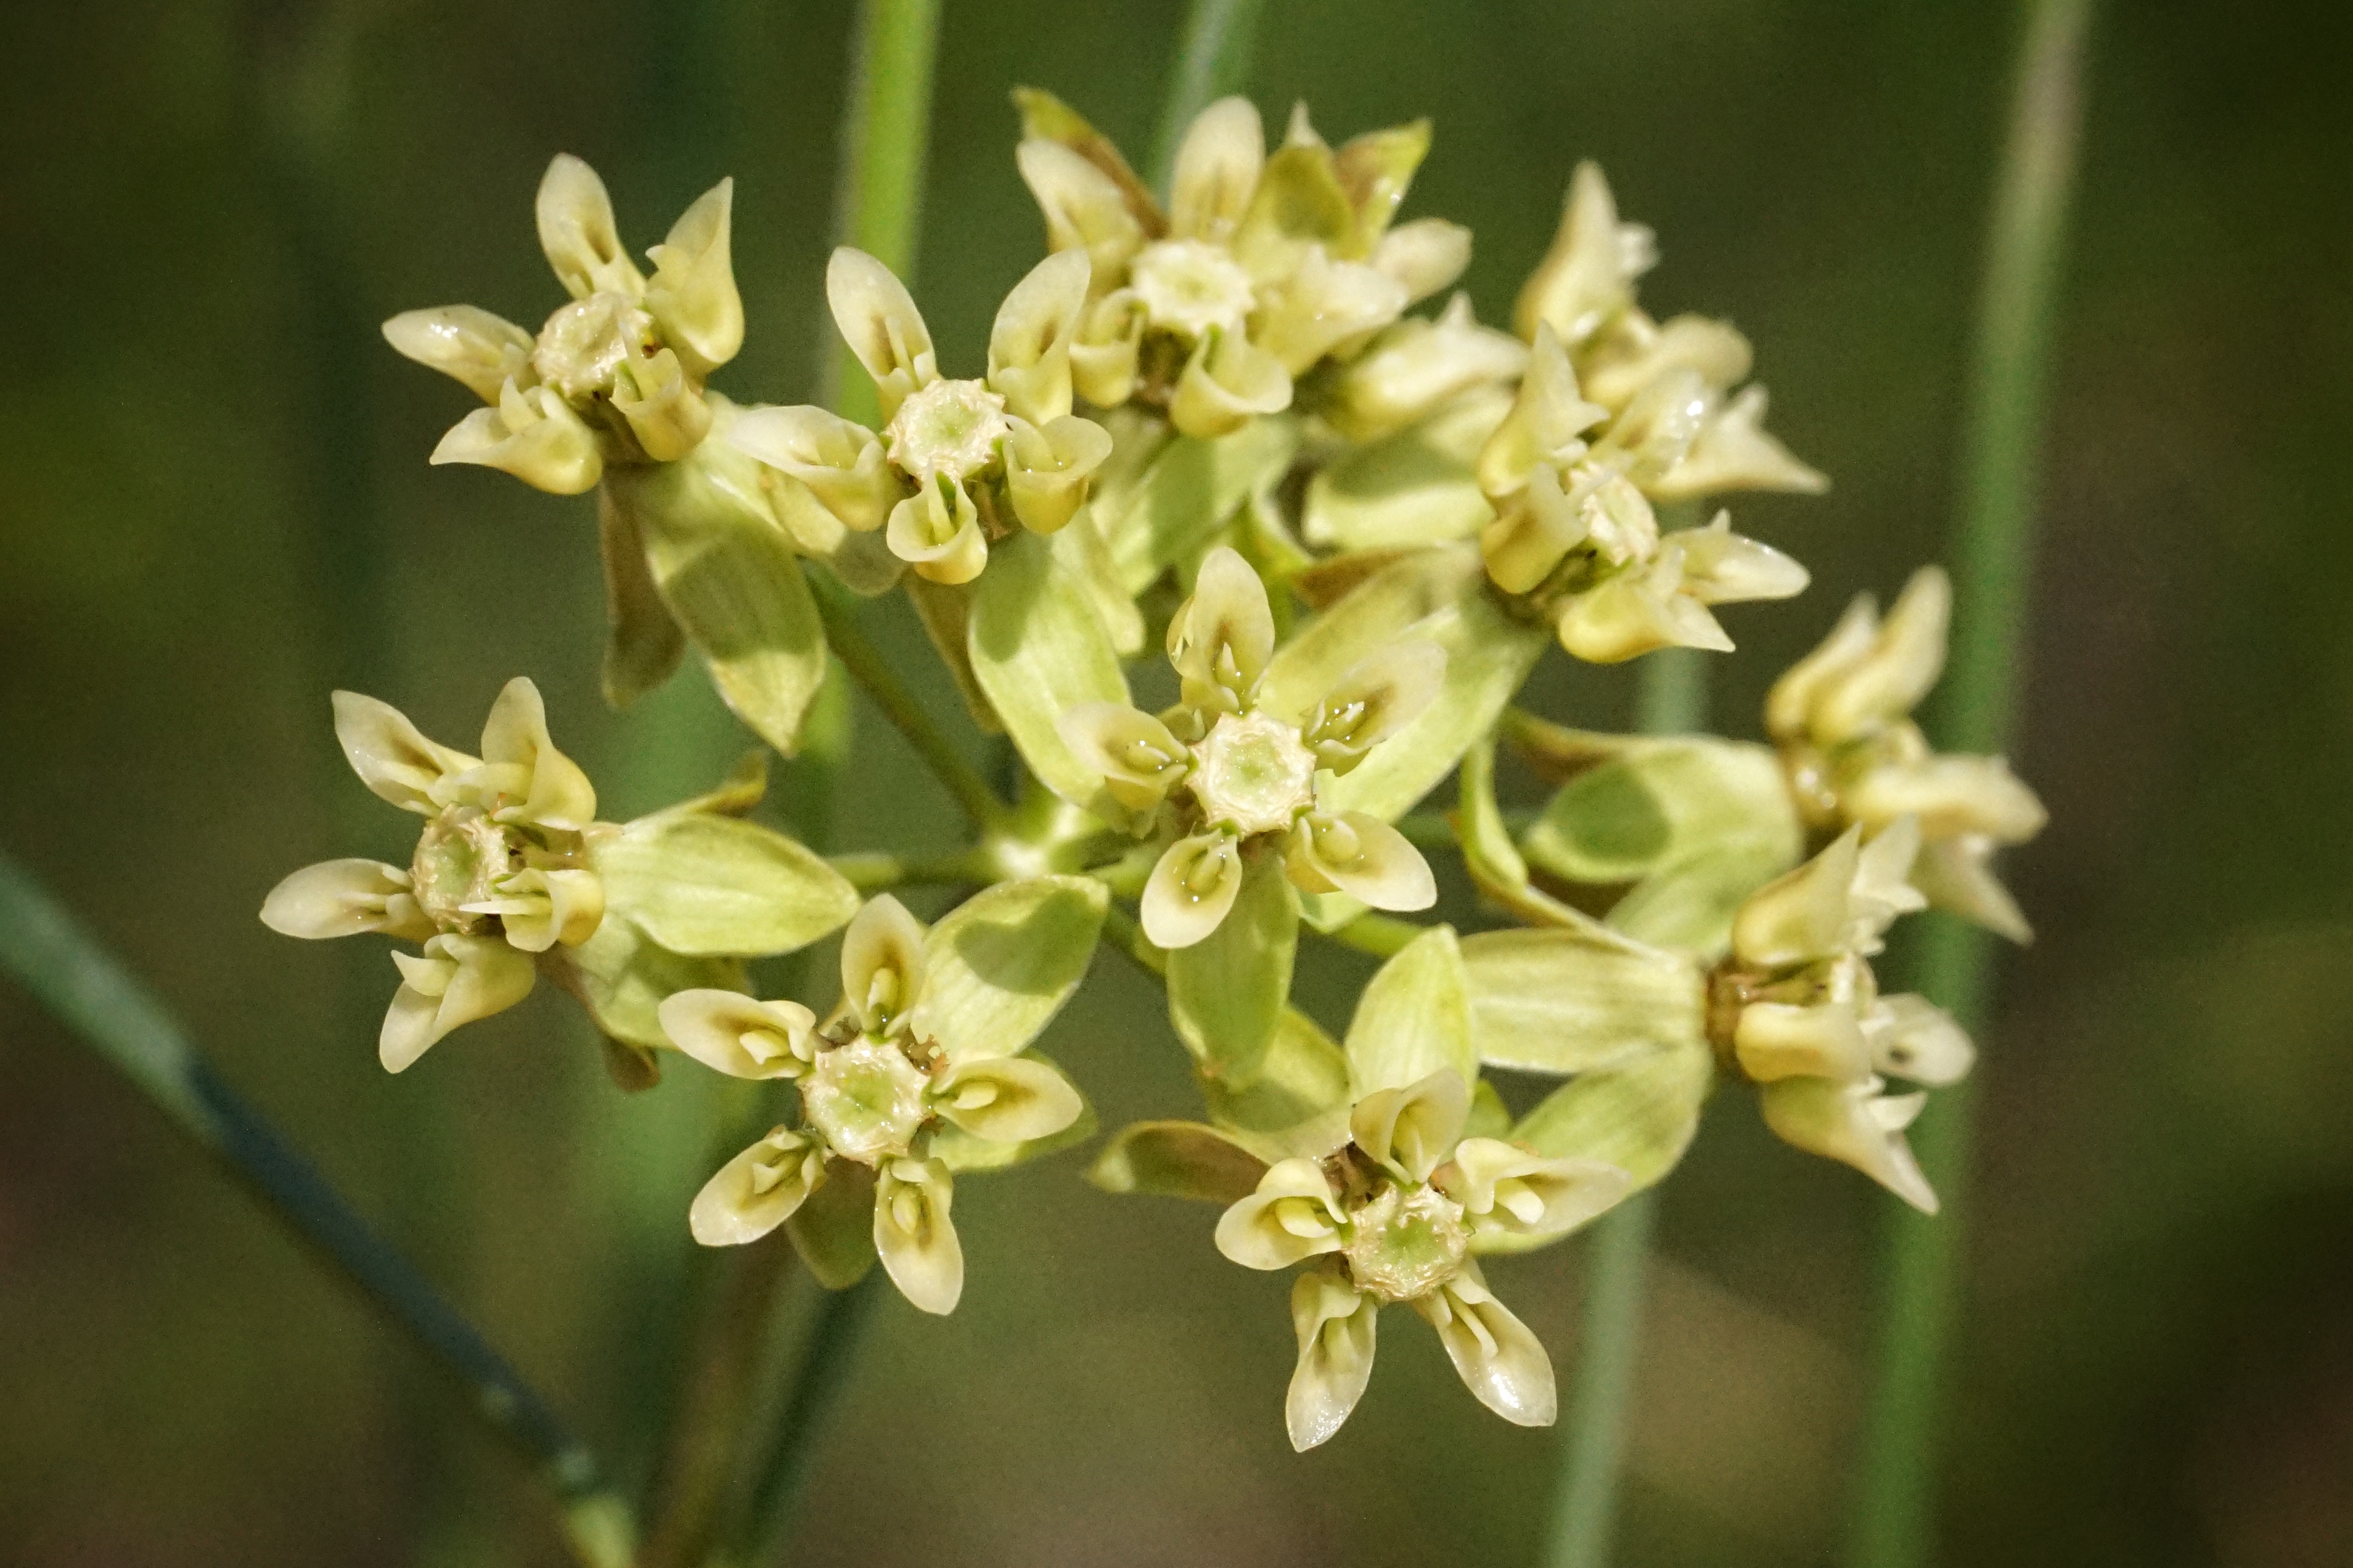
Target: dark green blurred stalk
<point x="109" y="1011"/>
<point x="1213" y="59"/>
<point x="1669" y="699"/>
<point x="1895" y="1522"/>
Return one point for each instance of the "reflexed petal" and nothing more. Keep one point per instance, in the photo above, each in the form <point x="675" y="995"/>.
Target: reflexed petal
<point x="464" y="343"/>
<point x="1854" y="1123"/>
<point x="1915" y="1039"/>
<point x="392" y="758"/>
<point x="1047" y="469"/>
<point x="533" y="435"/>
<point x="1376" y="170"/>
<point x="1192" y="887"/>
<point x="1336" y="1328"/>
<point x="1955" y="874"/>
<point x="578" y="231"/>
<point x="1636" y="612"/>
<point x="516" y="735"/>
<point x="1952" y="796"/>
<point x="1733" y="452"/>
<point x="757" y="1190"/>
<point x="458" y="980"/>
<point x="1323" y="304"/>
<point x="1547" y="418"/>
<point x="1426" y="255"/>
<point x="1789" y="707"/>
<point x="937" y="531"/>
<point x="666" y="412"/>
<point x="1007" y="1099"/>
<point x="878" y="320"/>
<point x="1217" y="167"/>
<point x="1293" y="1215"/>
<point x="742" y="1038"/>
<point x="1372" y="699"/>
<point x="344" y="897"/>
<point x="1504" y="1187"/>
<point x="1227" y="382"/>
<point x="1103" y="360"/>
<point x="1904" y="663"/>
<point x="1776" y="1040"/>
<point x="1589" y="274"/>
<point x="843" y="463"/>
<point x="1221" y="638"/>
<point x="693" y="294"/>
<point x="1359" y="853"/>
<point x="1721" y="567"/>
<point x="1409" y="371"/>
<point x="1029" y="346"/>
<point x="1498" y="1359"/>
<point x="1140" y="759"/>
<point x="1084" y="208"/>
<point x="913" y="1235"/>
<point x="1625" y="362"/>
<point x="883" y="964"/>
<point x="1411" y="1130"/>
<point x="1651" y="436"/>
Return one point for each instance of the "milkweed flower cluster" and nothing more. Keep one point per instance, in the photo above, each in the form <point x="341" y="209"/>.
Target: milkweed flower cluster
<point x="1232" y="422"/>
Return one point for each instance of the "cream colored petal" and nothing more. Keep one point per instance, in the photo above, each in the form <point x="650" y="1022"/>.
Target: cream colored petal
<point x="1955" y="874"/>
<point x="1636" y="612"/>
<point x="738" y="1035"/>
<point x="1733" y="451"/>
<point x="757" y="1190"/>
<point x="538" y="908"/>
<point x="467" y="345"/>
<point x="1424" y="256"/>
<point x="1953" y="796"/>
<point x="937" y="531"/>
<point x="1855" y="1124"/>
<point x="1084" y="208"/>
<point x="1776" y="1040"/>
<point x="878" y="320"/>
<point x="1531" y="534"/>
<point x="1104" y="359"/>
<point x="1589" y="274"/>
<point x="666" y="411"/>
<point x="1626" y="359"/>
<point x="515" y="736"/>
<point x="534" y="435"/>
<point x="1291" y="1217"/>
<point x="1192" y="886"/>
<point x="1221" y="638"/>
<point x="1914" y="1039"/>
<point x="1217" y="167"/>
<point x="1653" y="433"/>
<point x="390" y="757"/>
<point x="1496" y="1355"/>
<point x="1374" y="699"/>
<point x="1504" y="1187"/>
<point x="1047" y="469"/>
<point x="344" y="897"/>
<point x="1141" y="761"/>
<point x="1801" y="916"/>
<point x="1336" y="1328"/>
<point x="1411" y="1130"/>
<point x="1903" y="664"/>
<point x="883" y="964"/>
<point x="1415" y="367"/>
<point x="915" y="1235"/>
<point x="1543" y="428"/>
<point x="843" y="463"/>
<point x="1007" y="1099"/>
<point x="578" y="231"/>
<point x="1323" y="304"/>
<point x="1789" y="707"/>
<point x="458" y="980"/>
<point x="1721" y="567"/>
<point x="1883" y="888"/>
<point x="1359" y="853"/>
<point x="692" y="293"/>
<point x="1029" y="346"/>
<point x="1226" y="382"/>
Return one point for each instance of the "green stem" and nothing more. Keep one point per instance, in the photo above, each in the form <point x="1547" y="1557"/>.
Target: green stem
<point x="825" y="1362"/>
<point x="871" y="671"/>
<point x="879" y="871"/>
<point x="1212" y="60"/>
<point x="1993" y="549"/>
<point x="1383" y="936"/>
<point x="109" y="1011"/>
<point x="1669" y="699"/>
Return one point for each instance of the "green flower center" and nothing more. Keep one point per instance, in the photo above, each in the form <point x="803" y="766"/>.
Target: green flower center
<point x="585" y="343"/>
<point x="1404" y="1244"/>
<point x="1191" y="288"/>
<point x="460" y="855"/>
<point x="1255" y="773"/>
<point x="867" y="1100"/>
<point x="949" y="427"/>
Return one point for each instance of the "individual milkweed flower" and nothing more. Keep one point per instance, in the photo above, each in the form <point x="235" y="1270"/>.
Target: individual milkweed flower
<point x="1243" y="780"/>
<point x="1263" y="265"/>
<point x="502" y="872"/>
<point x="1841" y="718"/>
<point x="1796" y="1009"/>
<point x="912" y="1078"/>
<point x="957" y="463"/>
<point x="617" y="375"/>
<point x="1574" y="534"/>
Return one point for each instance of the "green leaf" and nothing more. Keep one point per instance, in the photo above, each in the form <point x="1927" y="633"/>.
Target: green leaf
<point x="1001" y="964"/>
<point x="962" y="1151"/>
<point x="1413" y="1018"/>
<point x="1303" y="1076"/>
<point x="622" y="976"/>
<point x="726" y="571"/>
<point x="1227" y="991"/>
<point x="703" y="884"/>
<point x="1637" y="1115"/>
<point x="1176" y="1159"/>
<point x="1039" y="649"/>
<point x="1567" y="1001"/>
<point x="642" y="642"/>
<point x="1186" y="492"/>
<point x="1079" y="546"/>
<point x="834" y="1230"/>
<point x="1694" y="824"/>
<point x="1418" y="487"/>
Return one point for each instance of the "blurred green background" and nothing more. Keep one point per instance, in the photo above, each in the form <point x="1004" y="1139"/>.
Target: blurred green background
<point x="216" y="507"/>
